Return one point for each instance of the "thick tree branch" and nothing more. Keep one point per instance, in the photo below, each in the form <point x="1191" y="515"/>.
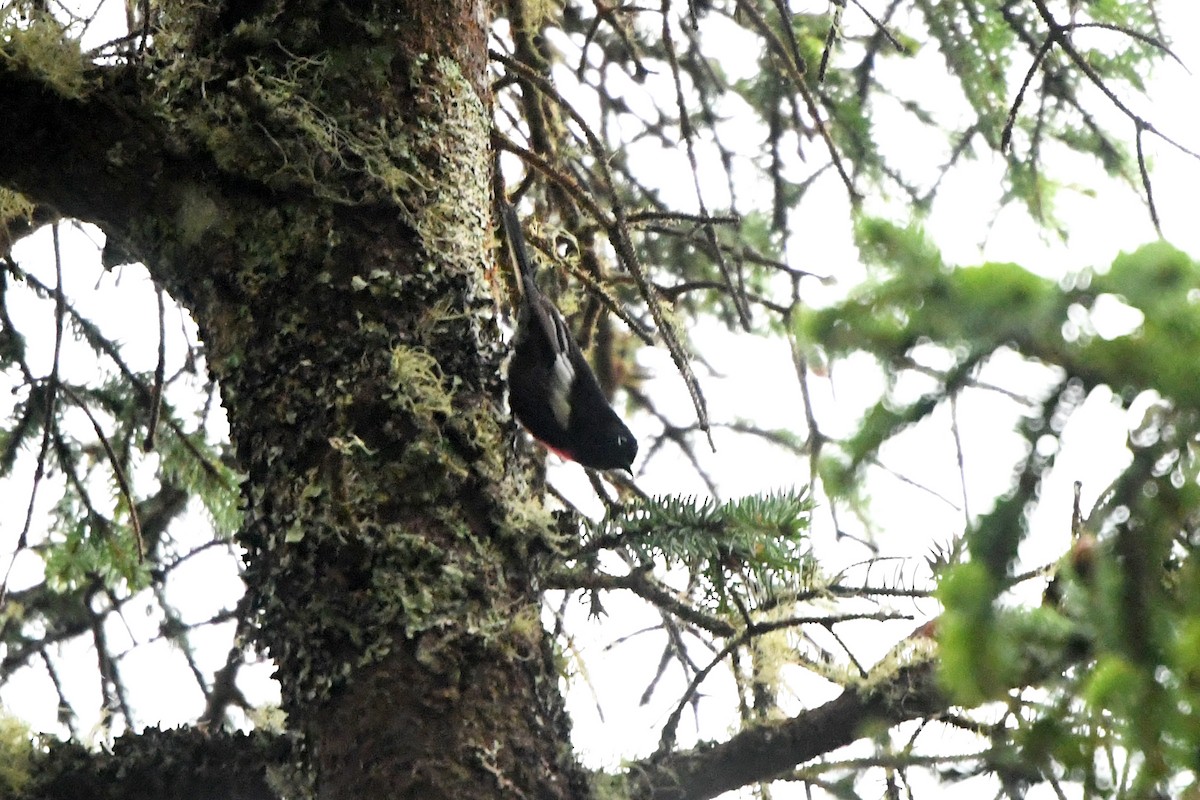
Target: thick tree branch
<point x="103" y="157"/>
<point x="769" y="750"/>
<point x="181" y="764"/>
<point x="766" y="751"/>
<point x="96" y="158"/>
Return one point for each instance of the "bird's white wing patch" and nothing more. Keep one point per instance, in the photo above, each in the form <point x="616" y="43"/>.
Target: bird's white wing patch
<point x="560" y="392"/>
<point x="563" y="376"/>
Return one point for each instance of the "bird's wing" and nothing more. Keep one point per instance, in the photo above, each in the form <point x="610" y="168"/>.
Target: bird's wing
<point x="550" y="323"/>
<point x="555" y="329"/>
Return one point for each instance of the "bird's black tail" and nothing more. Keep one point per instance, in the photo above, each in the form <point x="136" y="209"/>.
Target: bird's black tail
<point x="516" y="241"/>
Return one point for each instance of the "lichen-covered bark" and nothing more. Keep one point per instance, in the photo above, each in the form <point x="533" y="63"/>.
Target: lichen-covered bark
<point x="320" y="199"/>
<point x="155" y="764"/>
<point x="354" y="342"/>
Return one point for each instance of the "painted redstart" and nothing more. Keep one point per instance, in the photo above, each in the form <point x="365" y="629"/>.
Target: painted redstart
<point x="551" y="388"/>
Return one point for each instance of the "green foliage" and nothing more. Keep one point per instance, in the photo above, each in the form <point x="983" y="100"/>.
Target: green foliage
<point x="968" y="312"/>
<point x="920" y="300"/>
<point x="1160" y="282"/>
<point x="83" y="549"/>
<point x="973" y="667"/>
<point x="23" y="425"/>
<point x="972" y="312"/>
<point x="188" y="460"/>
<point x="986" y="650"/>
<point x="984" y="44"/>
<point x="87" y="543"/>
<point x="977" y="43"/>
<point x="1129" y="602"/>
<point x="760" y="539"/>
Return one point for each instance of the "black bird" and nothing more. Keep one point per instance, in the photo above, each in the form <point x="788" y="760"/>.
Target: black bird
<point x="551" y="387"/>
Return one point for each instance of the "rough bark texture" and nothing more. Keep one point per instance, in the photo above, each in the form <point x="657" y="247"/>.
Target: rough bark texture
<point x="312" y="180"/>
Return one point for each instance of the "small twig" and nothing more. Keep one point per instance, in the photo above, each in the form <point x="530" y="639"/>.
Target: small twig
<point x="1058" y="34"/>
<point x="830" y="37"/>
<point x="678" y="216"/>
<point x="667" y="739"/>
<point x="685" y="128"/>
<point x="1006" y="134"/>
<point x="159" y="372"/>
<point x="51" y="388"/>
<point x="642" y="585"/>
<point x="1144" y="171"/>
<point x="958" y="453"/>
<point x="797" y="77"/>
<point x="881" y="27"/>
<point x="114" y="462"/>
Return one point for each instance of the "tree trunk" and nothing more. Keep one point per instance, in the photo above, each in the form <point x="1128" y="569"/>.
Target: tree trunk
<point x="313" y="181"/>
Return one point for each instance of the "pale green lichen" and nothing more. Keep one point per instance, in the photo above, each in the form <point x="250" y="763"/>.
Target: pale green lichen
<point x="534" y="13"/>
<point x="524" y="511"/>
<point x="773" y="651"/>
<point x="16" y="755"/>
<point x="14" y="208"/>
<point x="456" y="223"/>
<point x="609" y="785"/>
<point x="286" y="124"/>
<point x="419" y="383"/>
<point x="196" y="215"/>
<point x="911" y="652"/>
<point x="39" y="45"/>
<point x="14" y="205"/>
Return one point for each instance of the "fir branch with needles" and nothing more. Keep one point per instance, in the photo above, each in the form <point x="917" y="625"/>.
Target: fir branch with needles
<point x="759" y="542"/>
